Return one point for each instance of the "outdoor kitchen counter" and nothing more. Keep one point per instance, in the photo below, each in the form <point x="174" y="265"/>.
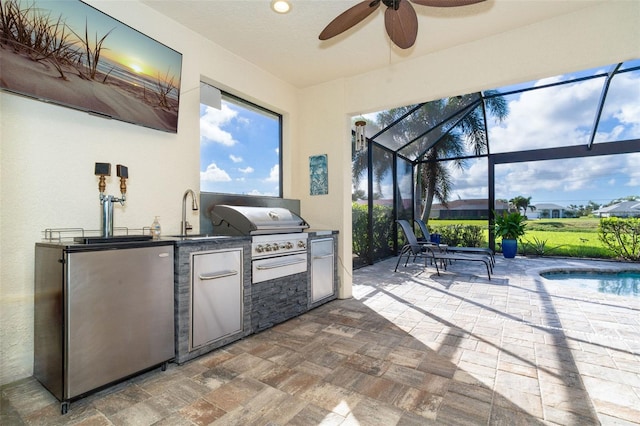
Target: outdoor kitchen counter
<point x="183" y="287"/>
<point x="185" y="248"/>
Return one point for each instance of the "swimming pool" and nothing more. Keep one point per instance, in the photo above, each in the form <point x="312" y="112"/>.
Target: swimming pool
<point x="622" y="283"/>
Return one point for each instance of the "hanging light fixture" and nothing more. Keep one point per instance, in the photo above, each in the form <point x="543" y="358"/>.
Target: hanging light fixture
<point x="361" y="139"/>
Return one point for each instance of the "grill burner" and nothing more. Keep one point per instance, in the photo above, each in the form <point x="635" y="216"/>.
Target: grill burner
<point x="278" y="245"/>
<point x="277" y="256"/>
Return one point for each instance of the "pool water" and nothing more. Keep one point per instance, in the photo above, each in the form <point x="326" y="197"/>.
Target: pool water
<point x="624" y="283"/>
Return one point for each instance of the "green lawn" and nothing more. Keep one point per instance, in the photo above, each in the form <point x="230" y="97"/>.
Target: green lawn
<point x="557" y="237"/>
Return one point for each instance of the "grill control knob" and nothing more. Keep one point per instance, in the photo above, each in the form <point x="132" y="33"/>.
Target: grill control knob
<point x="259" y="248"/>
<point x="267" y="247"/>
<point x="301" y="244"/>
<point x="289" y="245"/>
<point x="276" y="247"/>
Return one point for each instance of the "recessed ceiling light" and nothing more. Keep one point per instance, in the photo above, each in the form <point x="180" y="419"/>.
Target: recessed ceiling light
<point x="280" y="6"/>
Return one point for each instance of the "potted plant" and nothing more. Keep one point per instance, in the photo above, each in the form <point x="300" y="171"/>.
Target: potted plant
<point x="509" y="226"/>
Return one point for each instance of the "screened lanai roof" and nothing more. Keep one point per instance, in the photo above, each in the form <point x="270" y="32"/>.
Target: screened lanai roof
<point x="533" y="137"/>
<point x="411" y="131"/>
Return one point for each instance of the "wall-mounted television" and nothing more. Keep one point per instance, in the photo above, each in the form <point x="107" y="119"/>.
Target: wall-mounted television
<point x="71" y="54"/>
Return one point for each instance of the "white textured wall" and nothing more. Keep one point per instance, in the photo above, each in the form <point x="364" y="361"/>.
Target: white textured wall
<point x="47" y="156"/>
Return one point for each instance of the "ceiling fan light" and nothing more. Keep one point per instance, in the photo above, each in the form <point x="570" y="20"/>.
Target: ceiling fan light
<point x="280" y="6"/>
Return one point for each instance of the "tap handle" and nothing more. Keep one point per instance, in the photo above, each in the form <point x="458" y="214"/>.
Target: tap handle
<point x="123" y="173"/>
<point x="102" y="170"/>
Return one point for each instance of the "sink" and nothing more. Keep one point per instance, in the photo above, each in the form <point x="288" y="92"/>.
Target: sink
<point x="114" y="239"/>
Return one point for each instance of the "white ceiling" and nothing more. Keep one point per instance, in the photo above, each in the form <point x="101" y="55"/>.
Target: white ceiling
<point x="288" y="47"/>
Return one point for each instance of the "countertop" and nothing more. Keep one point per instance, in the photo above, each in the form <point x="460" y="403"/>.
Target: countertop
<point x="119" y="242"/>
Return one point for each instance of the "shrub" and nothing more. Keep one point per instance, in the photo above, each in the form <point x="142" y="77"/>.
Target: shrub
<point x="621" y="236"/>
<point x="359" y="238"/>
<point x="382" y="230"/>
<point x="538" y="247"/>
<point x="461" y="235"/>
<point x="510" y="226"/>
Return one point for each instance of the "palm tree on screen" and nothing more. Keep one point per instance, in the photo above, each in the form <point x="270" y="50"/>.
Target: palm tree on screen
<point x="438" y="130"/>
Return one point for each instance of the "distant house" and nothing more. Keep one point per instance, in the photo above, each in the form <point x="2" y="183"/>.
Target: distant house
<point x="546" y="211"/>
<point x="624" y="209"/>
<point x="466" y="209"/>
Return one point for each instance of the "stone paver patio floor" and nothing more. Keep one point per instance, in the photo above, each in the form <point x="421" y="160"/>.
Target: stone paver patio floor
<point x="410" y="348"/>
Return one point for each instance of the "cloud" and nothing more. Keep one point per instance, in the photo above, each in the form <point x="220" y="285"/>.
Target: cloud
<point x="622" y="105"/>
<point x="214" y="174"/>
<point x="248" y="169"/>
<point x="406" y="186"/>
<point x="263" y="193"/>
<point x="211" y="123"/>
<point x="564" y="116"/>
<point x="632" y="172"/>
<point x="553" y="117"/>
<point x="548" y="117"/>
<point x="235" y="158"/>
<point x="562" y="181"/>
<point x="274" y="174"/>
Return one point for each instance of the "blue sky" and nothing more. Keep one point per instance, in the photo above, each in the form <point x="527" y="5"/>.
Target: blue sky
<point x="239" y="151"/>
<point x="560" y="117"/>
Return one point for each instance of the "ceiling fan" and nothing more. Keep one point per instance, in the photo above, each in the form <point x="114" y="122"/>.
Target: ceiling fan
<point x="400" y="19"/>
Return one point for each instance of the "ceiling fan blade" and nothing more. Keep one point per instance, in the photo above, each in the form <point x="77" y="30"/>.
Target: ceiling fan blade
<point x="446" y="3"/>
<point x="402" y="24"/>
<point x="349" y="18"/>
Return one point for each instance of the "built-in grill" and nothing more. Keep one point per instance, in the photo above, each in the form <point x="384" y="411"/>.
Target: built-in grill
<point x="278" y="243"/>
<point x="245" y="220"/>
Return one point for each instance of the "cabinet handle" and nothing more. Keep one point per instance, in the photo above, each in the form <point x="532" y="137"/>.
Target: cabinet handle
<point x="280" y="264"/>
<point x="323" y="257"/>
<point x="215" y="275"/>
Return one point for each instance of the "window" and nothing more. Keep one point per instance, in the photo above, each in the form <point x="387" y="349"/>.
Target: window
<point x="240" y="147"/>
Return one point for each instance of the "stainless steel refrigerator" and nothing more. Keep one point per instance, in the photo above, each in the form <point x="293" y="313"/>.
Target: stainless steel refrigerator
<point x="102" y="313"/>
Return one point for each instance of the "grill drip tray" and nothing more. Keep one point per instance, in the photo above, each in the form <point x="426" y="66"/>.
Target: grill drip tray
<point x="115" y="239"/>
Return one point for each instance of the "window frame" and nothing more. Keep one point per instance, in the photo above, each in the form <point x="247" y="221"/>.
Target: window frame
<point x="249" y="105"/>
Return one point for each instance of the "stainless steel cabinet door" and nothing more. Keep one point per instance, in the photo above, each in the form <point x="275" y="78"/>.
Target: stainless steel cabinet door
<point x="216" y="295"/>
<point x="119" y="314"/>
<point x="321" y="269"/>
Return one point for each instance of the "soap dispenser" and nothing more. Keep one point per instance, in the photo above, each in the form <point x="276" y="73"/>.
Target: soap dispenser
<point x="155" y="228"/>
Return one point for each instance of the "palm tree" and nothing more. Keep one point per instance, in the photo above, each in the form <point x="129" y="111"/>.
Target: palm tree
<point x="439" y="130"/>
<point x="522" y="203"/>
<point x="381" y="166"/>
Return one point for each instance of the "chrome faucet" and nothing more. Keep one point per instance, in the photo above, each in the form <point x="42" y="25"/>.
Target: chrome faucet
<point x="184" y="225"/>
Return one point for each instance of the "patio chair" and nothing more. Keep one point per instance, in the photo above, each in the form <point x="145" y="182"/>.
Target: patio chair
<point x="430" y="251"/>
<point x="458" y="249"/>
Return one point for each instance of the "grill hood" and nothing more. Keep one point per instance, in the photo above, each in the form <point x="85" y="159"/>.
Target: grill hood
<point x="245" y="220"/>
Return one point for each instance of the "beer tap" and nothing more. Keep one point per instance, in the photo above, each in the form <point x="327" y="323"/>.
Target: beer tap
<point x="123" y="174"/>
<point x="103" y="170"/>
